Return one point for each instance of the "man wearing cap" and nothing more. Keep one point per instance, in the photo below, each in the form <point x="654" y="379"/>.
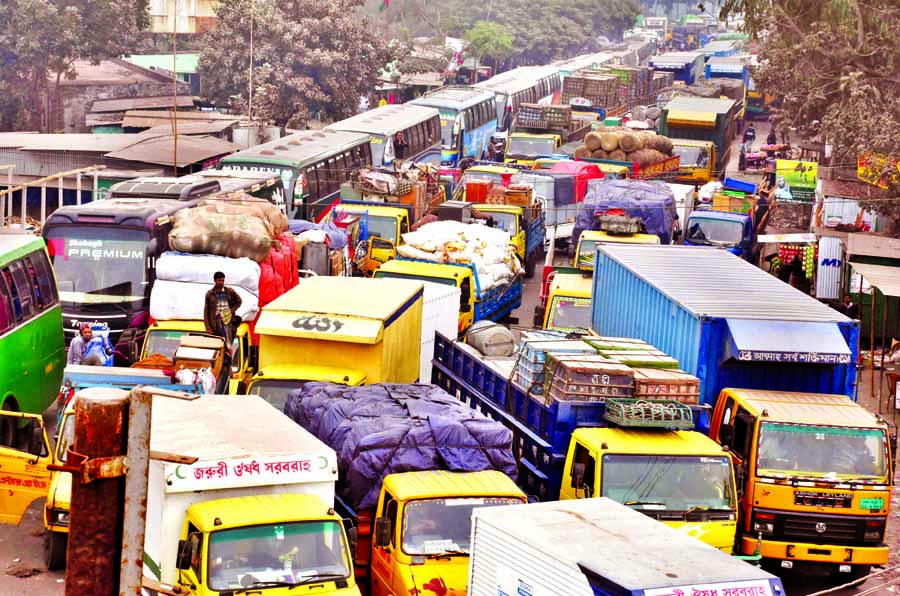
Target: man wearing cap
<point x="219" y="311"/>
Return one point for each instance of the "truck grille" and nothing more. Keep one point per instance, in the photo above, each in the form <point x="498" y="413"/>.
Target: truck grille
<point x="837" y="530"/>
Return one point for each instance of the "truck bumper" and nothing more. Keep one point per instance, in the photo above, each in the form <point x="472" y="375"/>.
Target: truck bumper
<point x="816" y="553"/>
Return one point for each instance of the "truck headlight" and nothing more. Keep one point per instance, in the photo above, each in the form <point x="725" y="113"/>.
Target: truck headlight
<point x="766" y="527"/>
<point x="58" y="517"/>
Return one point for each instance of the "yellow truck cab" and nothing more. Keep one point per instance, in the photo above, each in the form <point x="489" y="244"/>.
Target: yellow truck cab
<point x="679" y="477"/>
<point x="59" y="497"/>
<point x="522" y="148"/>
<point x="613" y="171"/>
<point x="587" y="245"/>
<point x="698" y="161"/>
<point x="347" y="330"/>
<point x="385" y="225"/>
<point x="814" y="475"/>
<point x="420" y="542"/>
<point x="163" y="337"/>
<point x="569" y="303"/>
<point x="498" y="174"/>
<point x="451" y="275"/>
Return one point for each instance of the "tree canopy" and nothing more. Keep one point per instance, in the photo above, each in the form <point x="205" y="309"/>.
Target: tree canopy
<point x="41" y="39"/>
<point x="489" y="40"/>
<point x="835" y="64"/>
<point x="309" y="56"/>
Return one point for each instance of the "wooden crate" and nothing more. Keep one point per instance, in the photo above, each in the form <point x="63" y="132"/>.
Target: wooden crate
<point x="585" y="378"/>
<point x="677" y="385"/>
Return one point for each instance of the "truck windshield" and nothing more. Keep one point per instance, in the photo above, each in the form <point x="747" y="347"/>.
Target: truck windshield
<point x="99" y="264"/>
<point x="668" y="483"/>
<point x="279" y="553"/>
<point x="162" y="342"/>
<point x="714" y="232"/>
<point x="382" y="227"/>
<point x="274" y="392"/>
<point x="436" y="526"/>
<point x="587" y="250"/>
<point x="529" y="147"/>
<point x="821" y="451"/>
<point x="570" y="314"/>
<point x="508" y="222"/>
<point x="692" y="157"/>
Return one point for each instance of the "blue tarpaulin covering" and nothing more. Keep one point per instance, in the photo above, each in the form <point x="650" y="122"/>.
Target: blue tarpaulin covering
<point x="652" y="201"/>
<point x="378" y="430"/>
<point x="786" y="341"/>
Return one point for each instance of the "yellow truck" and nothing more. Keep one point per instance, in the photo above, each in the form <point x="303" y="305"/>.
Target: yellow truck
<point x="698" y="161"/>
<point x="815" y="478"/>
<point x="384" y="226"/>
<point x="679" y="477"/>
<point x="347" y="330"/>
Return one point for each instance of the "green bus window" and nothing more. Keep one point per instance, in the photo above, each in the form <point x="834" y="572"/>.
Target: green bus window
<point x="13" y="293"/>
<point x="25" y="290"/>
<point x="6" y="308"/>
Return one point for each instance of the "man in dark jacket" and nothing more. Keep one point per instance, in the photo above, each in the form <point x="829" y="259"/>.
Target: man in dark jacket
<point x="220" y="308"/>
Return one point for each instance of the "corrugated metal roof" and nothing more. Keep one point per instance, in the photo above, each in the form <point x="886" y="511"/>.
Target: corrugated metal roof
<point x="713" y="282"/>
<point x="160" y="150"/>
<point x="886" y="279"/>
<point x="133" y="103"/>
<point x="193" y="128"/>
<point x="149" y="118"/>
<point x="66" y="142"/>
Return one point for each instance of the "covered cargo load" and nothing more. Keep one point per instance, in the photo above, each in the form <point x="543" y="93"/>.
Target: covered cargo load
<point x="590" y="547"/>
<point x="725" y="321"/>
<point x="653" y="202"/>
<point x="379" y="430"/>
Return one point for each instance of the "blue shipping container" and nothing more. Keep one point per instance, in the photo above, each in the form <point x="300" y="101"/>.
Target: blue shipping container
<point x="727" y="322"/>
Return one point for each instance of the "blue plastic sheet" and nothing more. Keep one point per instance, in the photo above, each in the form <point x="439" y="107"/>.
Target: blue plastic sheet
<point x="337" y="237"/>
<point x="652" y="201"/>
<point x="378" y="430"/>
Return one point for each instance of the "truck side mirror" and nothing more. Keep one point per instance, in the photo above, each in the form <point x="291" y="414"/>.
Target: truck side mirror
<point x="134" y="353"/>
<point x="577" y="475"/>
<point x="383" y="532"/>
<point x="183" y="561"/>
<point x="353" y="539"/>
<point x="36" y="441"/>
<point x="726" y="434"/>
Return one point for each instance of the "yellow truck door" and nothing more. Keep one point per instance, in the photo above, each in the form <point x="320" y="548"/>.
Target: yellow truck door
<point x="23" y="468"/>
<point x="580" y="475"/>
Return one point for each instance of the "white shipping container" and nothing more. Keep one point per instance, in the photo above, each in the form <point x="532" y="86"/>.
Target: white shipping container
<point x="440" y="312"/>
<point x="562" y="548"/>
<point x="244" y="447"/>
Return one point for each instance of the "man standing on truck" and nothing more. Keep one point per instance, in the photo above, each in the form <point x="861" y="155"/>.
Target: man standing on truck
<point x="220" y="308"/>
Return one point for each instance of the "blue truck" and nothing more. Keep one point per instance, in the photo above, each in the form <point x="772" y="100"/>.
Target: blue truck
<point x="732" y="231"/>
<point x="725" y="321"/>
<point x="541" y="431"/>
<point x="685" y="66"/>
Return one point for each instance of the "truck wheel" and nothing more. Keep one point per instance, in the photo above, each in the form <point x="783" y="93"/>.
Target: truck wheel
<point x="55" y="547"/>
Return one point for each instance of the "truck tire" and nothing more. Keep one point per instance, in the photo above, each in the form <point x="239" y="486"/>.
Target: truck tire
<point x="55" y="547"/>
<point x="530" y="264"/>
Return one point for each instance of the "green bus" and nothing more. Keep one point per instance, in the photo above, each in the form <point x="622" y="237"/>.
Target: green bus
<point x="32" y="347"/>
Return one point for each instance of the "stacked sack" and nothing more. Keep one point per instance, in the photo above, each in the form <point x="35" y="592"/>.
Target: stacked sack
<point x="229" y="232"/>
<point x="182" y="281"/>
<point x="637" y="146"/>
<point x="488" y="249"/>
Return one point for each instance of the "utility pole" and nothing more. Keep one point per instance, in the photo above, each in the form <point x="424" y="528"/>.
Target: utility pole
<point x="175" y="88"/>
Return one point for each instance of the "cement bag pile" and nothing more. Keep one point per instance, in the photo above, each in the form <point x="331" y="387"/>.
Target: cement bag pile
<point x="643" y="147"/>
<point x="650" y="200"/>
<point x="182" y="281"/>
<point x="229" y="228"/>
<point x="488" y="249"/>
<point x="378" y="430"/>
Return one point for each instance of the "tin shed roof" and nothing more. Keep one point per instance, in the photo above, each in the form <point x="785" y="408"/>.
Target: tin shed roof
<point x="715" y="283"/>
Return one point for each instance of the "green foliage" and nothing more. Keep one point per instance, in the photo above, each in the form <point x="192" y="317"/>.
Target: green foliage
<point x="309" y="56"/>
<point x="489" y="40"/>
<point x="835" y="64"/>
<point x="41" y="39"/>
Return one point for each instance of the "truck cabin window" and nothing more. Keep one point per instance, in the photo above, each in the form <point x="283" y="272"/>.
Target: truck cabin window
<point x="692" y="157"/>
<point x="528" y="147"/>
<point x="661" y="483"/>
<point x="570" y="313"/>
<point x="442" y="526"/>
<point x="714" y="232"/>
<point x="274" y="391"/>
<point x="288" y="553"/>
<point x="822" y="451"/>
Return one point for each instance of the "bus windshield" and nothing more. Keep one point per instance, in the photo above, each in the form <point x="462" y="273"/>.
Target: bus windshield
<point x="812" y="450"/>
<point x="99" y="264"/>
<point x="448" y="122"/>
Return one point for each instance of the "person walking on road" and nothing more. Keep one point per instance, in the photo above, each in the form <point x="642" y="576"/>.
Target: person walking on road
<point x="220" y="308"/>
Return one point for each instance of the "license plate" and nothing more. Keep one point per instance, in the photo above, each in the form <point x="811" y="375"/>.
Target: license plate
<point x="871" y="503"/>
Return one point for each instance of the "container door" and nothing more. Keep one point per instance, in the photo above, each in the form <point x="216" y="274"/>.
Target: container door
<point x="23" y="465"/>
